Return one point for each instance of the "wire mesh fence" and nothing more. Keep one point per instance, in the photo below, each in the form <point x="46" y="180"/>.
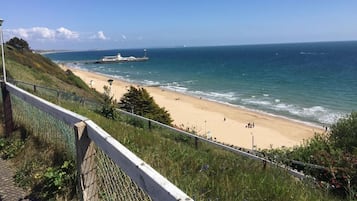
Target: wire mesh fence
<point x="43" y="125"/>
<point x="55" y="94"/>
<point x="111" y="181"/>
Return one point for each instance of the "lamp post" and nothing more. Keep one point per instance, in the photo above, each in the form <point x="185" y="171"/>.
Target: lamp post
<point x="2" y="51"/>
<point x="252" y="141"/>
<point x="6" y="100"/>
<point x="110" y="81"/>
<point x="205" y="128"/>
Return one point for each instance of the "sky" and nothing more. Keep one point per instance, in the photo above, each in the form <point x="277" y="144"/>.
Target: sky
<point x="117" y="24"/>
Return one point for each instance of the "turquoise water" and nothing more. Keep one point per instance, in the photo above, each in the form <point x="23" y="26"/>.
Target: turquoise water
<point x="311" y="82"/>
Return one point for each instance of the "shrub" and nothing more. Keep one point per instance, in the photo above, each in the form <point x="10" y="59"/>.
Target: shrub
<point x="18" y="43"/>
<point x="336" y="151"/>
<point x="109" y="104"/>
<point x="344" y="133"/>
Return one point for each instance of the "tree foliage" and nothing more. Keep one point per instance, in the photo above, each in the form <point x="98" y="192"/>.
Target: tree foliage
<point x="109" y="104"/>
<point x="18" y="43"/>
<point x="139" y="101"/>
<point x="344" y="133"/>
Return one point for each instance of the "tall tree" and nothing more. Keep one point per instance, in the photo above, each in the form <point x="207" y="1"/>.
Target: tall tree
<point x="139" y="101"/>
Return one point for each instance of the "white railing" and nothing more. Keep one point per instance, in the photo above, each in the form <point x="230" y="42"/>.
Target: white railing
<point x="88" y="135"/>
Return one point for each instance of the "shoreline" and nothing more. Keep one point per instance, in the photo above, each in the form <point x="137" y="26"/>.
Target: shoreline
<point x="224" y="122"/>
<point x="317" y="126"/>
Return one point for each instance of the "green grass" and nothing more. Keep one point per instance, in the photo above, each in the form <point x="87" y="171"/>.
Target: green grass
<point x="206" y="173"/>
<point x="36" y="69"/>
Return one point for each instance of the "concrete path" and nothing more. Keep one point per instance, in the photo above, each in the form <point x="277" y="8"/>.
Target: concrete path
<point x="8" y="190"/>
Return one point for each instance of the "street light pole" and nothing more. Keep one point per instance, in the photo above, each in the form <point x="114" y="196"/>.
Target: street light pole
<point x="252" y="141"/>
<point x="6" y="99"/>
<point x="205" y="128"/>
<point x="110" y="81"/>
<point x="2" y="50"/>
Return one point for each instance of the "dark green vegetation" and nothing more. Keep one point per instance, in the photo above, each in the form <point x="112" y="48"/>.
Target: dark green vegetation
<point x="19" y="44"/>
<point x="205" y="173"/>
<point x="336" y="154"/>
<point x="139" y="101"/>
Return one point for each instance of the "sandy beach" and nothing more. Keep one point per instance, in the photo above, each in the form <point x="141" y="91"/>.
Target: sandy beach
<point x="225" y="123"/>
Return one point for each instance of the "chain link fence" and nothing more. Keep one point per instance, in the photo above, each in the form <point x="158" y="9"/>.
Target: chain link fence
<point x="55" y="94"/>
<point x="56" y="126"/>
<point x="114" y="184"/>
<point x="42" y="125"/>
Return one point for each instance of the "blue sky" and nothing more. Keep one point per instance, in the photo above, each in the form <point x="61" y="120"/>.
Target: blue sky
<point x="115" y="24"/>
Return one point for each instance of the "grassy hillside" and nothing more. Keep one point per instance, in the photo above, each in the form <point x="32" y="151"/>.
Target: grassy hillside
<point x="37" y="69"/>
<point x="206" y="173"/>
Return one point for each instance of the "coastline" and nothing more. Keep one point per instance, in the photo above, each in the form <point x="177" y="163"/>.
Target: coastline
<point x="225" y="123"/>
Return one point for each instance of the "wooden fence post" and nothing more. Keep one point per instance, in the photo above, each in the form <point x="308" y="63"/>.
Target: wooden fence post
<point x="86" y="163"/>
<point x="7" y="109"/>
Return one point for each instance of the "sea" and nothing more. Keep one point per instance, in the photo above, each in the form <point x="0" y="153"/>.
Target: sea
<point x="314" y="83"/>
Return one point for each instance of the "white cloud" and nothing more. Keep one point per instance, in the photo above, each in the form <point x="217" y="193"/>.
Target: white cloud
<point x="66" y="33"/>
<point x="99" y="35"/>
<point x="43" y="33"/>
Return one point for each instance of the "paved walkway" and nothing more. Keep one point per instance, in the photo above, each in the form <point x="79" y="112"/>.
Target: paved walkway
<point x="8" y="190"/>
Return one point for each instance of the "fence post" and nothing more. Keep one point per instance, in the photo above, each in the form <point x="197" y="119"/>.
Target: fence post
<point x="196" y="142"/>
<point x="149" y="124"/>
<point x="34" y="88"/>
<point x="6" y="100"/>
<point x="86" y="164"/>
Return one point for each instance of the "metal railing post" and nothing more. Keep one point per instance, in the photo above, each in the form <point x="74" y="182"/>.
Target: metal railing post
<point x="86" y="164"/>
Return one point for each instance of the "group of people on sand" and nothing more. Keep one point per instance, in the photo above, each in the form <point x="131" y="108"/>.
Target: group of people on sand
<point x="250" y="125"/>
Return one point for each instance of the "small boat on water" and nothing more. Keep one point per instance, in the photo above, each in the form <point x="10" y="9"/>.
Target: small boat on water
<point x="119" y="58"/>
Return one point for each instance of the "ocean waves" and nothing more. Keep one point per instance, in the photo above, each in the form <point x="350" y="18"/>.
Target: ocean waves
<point x="316" y="114"/>
<point x="313" y="82"/>
<point x="264" y="102"/>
